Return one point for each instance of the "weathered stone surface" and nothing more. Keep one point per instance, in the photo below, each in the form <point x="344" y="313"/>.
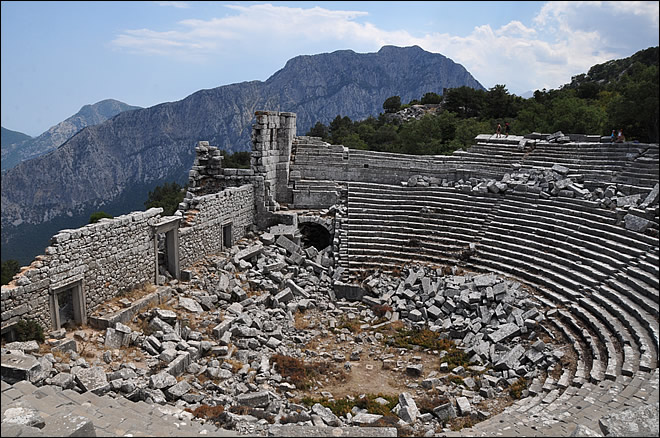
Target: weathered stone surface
<point x="92" y="379"/>
<point x="326" y="415"/>
<point x="259" y="399"/>
<point x="190" y="305"/>
<point x="636" y="223"/>
<point x="162" y="380"/>
<point x="636" y="421"/>
<point x="177" y="391"/>
<point x="409" y="411"/>
<point x="464" y="407"/>
<point x="69" y="425"/>
<point x="24" y="415"/>
<point x="511" y="358"/>
<point x="18" y="366"/>
<point x="504" y="332"/>
<point x="584" y="431"/>
<point x="445" y="412"/>
<point x="296" y="431"/>
<point x="25" y="347"/>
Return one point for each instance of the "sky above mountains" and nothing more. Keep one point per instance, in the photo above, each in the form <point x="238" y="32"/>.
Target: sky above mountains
<point x="59" y="56"/>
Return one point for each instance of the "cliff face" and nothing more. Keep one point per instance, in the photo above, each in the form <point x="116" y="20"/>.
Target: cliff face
<point x="147" y="146"/>
<point x="88" y="115"/>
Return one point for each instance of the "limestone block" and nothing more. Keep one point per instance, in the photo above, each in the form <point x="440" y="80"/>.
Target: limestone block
<point x="17" y="366"/>
<point x="92" y="379"/>
<point x="259" y="399"/>
<point x="636" y="223"/>
<point x="25" y="347"/>
<point x="505" y="331"/>
<point x="162" y="380"/>
<point x="326" y="415"/>
<point x="464" y="407"/>
<point x="179" y="390"/>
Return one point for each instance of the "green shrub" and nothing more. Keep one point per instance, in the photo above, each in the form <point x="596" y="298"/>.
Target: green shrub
<point x="29" y="330"/>
<point x="97" y="216"/>
<point x="9" y="269"/>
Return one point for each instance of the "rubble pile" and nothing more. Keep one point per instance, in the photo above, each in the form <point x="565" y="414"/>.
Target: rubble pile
<point x="556" y="182"/>
<point x="214" y="341"/>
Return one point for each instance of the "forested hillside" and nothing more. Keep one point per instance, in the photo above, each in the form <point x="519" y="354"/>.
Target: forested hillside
<point x="619" y="94"/>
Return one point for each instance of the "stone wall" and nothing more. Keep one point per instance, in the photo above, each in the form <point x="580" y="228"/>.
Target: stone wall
<point x="105" y="258"/>
<point x="201" y="231"/>
<point x="272" y="136"/>
<point x="318" y="166"/>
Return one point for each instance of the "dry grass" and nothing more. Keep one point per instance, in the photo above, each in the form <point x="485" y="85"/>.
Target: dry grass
<point x="300" y="322"/>
<point x="206" y="412"/>
<point x="303" y="375"/>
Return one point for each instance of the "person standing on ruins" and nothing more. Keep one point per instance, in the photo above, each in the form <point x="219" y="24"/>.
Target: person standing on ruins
<point x="507" y="127"/>
<point x="498" y="131"/>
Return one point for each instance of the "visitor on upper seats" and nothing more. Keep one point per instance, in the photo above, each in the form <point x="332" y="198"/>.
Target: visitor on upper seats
<point x="620" y="138"/>
<point x="613" y="136"/>
<point x="507" y="128"/>
<point x="498" y="131"/>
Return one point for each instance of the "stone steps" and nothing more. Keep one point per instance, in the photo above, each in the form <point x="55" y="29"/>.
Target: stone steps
<point x="643" y="340"/>
<point x="596" y="371"/>
<point x="612" y="362"/>
<point x="577" y="406"/>
<point x="102" y="415"/>
<point x="579" y="375"/>
<point x="536" y="263"/>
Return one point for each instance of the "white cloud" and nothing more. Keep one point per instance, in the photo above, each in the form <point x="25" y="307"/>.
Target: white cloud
<point x="564" y="39"/>
<point x="179" y="5"/>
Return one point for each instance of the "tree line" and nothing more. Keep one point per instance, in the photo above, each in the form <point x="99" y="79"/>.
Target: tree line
<point x="619" y="94"/>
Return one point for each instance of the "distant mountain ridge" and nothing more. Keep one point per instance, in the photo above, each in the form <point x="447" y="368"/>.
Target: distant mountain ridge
<point x="55" y="136"/>
<point x="136" y="150"/>
<point x="10" y="137"/>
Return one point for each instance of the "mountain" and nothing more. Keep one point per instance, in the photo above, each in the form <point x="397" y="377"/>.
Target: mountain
<point x="113" y="165"/>
<point x="88" y="115"/>
<point x="10" y="137"/>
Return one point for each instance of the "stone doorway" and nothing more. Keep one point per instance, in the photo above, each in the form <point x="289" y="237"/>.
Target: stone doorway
<point x="166" y="246"/>
<point x="67" y="304"/>
<point x="227" y="237"/>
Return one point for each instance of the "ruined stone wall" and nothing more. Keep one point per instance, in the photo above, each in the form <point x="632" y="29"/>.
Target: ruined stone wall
<point x="108" y="257"/>
<point x="272" y="136"/>
<point x="201" y="232"/>
<point x="316" y="163"/>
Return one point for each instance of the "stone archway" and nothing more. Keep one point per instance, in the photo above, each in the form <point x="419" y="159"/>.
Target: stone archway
<point x="316" y="231"/>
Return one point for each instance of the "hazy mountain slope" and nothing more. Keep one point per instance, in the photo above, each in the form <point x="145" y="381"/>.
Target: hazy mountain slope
<point x="88" y="115"/>
<point x="10" y="137"/>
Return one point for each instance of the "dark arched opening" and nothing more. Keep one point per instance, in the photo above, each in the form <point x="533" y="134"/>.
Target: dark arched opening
<point x="314" y="235"/>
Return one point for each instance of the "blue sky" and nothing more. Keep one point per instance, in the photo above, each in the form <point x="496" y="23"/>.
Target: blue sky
<point x="59" y="56"/>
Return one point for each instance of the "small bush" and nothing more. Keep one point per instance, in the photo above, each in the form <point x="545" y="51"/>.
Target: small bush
<point x="381" y="310"/>
<point x="303" y="375"/>
<point x="213" y="413"/>
<point x="452" y="378"/>
<point x="368" y="402"/>
<point x="455" y="358"/>
<point x="97" y="216"/>
<point x="425" y="338"/>
<point x="517" y="388"/>
<point x="29" y="330"/>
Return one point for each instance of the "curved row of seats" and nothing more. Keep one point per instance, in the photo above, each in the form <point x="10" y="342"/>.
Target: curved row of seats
<point x="602" y="278"/>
